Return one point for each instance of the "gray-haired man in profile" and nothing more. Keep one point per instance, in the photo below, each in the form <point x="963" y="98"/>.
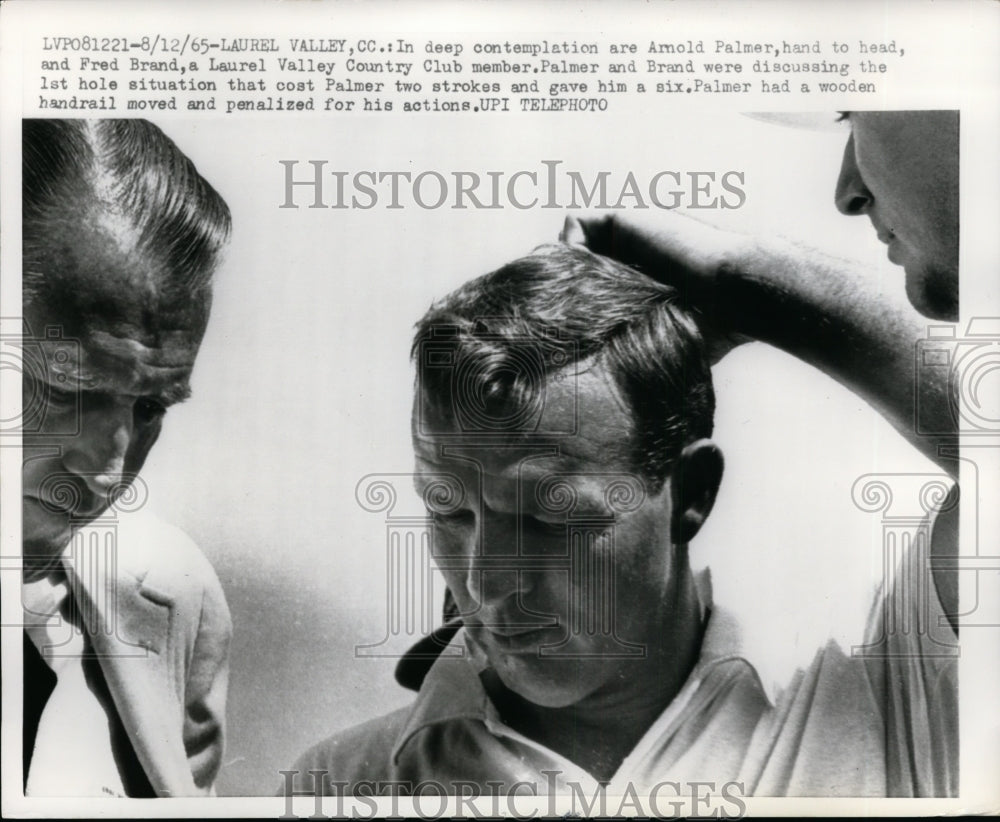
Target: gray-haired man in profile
<point x="125" y="656"/>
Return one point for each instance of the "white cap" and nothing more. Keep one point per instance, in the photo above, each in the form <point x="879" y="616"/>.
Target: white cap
<point x="809" y="120"/>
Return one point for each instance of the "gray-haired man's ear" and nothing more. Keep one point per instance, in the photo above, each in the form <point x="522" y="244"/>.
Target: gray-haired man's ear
<point x="694" y="483"/>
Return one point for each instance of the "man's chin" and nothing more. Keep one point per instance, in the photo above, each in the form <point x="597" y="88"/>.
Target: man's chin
<point x="43" y="535"/>
<point x="544" y="682"/>
<point x="40" y="556"/>
<point x="933" y="294"/>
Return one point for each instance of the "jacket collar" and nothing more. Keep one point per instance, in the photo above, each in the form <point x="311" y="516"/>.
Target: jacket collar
<point x="128" y="624"/>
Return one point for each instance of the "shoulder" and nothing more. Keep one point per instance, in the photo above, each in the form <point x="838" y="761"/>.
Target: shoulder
<point x="170" y="569"/>
<point x="360" y="753"/>
<point x="164" y="559"/>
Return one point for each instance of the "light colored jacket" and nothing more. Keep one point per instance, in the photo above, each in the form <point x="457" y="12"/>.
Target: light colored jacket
<point x="158" y="620"/>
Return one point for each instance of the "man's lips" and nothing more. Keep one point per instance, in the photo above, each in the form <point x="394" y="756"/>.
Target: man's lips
<point x="48" y="506"/>
<point x="884" y="233"/>
<point x="76" y="511"/>
<point x="888" y="236"/>
<point x="515" y="639"/>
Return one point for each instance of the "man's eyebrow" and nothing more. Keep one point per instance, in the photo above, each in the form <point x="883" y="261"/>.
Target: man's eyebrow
<point x="172" y="394"/>
<point x="176" y="393"/>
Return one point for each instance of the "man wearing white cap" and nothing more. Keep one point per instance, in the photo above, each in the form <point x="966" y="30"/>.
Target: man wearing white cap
<point x="901" y="170"/>
<point x="691" y="709"/>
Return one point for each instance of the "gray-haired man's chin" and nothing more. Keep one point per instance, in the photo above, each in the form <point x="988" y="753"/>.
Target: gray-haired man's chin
<point x="41" y="550"/>
<point x="42" y="543"/>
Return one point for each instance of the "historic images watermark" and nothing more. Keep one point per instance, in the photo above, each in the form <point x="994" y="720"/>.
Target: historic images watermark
<point x="970" y="362"/>
<point x="432" y="799"/>
<point x="311" y="184"/>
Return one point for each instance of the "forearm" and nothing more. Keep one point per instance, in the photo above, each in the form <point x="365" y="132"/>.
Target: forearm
<point x="833" y="316"/>
<point x="823" y="310"/>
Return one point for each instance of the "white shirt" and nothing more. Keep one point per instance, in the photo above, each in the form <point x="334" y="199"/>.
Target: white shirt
<point x="880" y="723"/>
<point x="73" y="753"/>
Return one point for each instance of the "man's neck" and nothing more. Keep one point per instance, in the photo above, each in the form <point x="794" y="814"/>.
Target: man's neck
<point x="598" y="732"/>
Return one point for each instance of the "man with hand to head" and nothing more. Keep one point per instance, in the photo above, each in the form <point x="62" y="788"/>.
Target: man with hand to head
<point x="560" y="431"/>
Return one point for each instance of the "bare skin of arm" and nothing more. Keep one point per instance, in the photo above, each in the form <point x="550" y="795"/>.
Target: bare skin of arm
<point x="823" y="310"/>
<point x="820" y="309"/>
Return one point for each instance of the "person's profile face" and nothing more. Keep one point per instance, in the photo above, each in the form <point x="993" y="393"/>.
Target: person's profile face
<point x="901" y="169"/>
<point x="105" y="355"/>
<point x="523" y="528"/>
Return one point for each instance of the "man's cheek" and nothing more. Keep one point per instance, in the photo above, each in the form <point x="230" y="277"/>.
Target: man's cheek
<point x="456" y="584"/>
<point x="451" y="543"/>
<point x="48" y="424"/>
<point x="39" y="523"/>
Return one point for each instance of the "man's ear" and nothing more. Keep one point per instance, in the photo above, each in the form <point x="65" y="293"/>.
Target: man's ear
<point x="694" y="482"/>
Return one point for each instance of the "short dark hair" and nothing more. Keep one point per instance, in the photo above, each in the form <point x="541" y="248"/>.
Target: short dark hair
<point x="576" y="305"/>
<point x="131" y="168"/>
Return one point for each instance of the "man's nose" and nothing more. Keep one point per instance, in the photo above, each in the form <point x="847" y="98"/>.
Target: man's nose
<point x="494" y="574"/>
<point x="97" y="454"/>
<point x="852" y="195"/>
<point x="491" y="587"/>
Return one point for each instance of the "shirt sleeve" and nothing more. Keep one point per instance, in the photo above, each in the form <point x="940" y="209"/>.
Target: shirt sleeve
<point x="877" y="719"/>
<point x="910" y="656"/>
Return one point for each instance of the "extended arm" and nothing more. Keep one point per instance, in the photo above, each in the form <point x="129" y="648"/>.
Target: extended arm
<point x="818" y="308"/>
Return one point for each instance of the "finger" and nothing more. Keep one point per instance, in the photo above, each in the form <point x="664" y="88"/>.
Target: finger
<point x="572" y="232"/>
<point x="593" y="230"/>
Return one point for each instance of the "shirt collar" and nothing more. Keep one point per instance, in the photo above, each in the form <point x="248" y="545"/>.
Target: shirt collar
<point x="723" y="637"/>
<point x="452" y="689"/>
<point x="43" y="598"/>
<point x="723" y="640"/>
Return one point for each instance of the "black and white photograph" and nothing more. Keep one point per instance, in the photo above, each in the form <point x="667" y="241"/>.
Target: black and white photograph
<point x="434" y="410"/>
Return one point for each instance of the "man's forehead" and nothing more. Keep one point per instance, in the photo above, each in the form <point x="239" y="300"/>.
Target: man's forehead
<point x="99" y="318"/>
<point x="583" y="423"/>
<point x="104" y="349"/>
<point x="94" y="273"/>
<point x="496" y="459"/>
<point x="111" y="365"/>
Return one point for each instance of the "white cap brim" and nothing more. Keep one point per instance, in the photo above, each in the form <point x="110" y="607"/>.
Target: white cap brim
<point x="809" y="120"/>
